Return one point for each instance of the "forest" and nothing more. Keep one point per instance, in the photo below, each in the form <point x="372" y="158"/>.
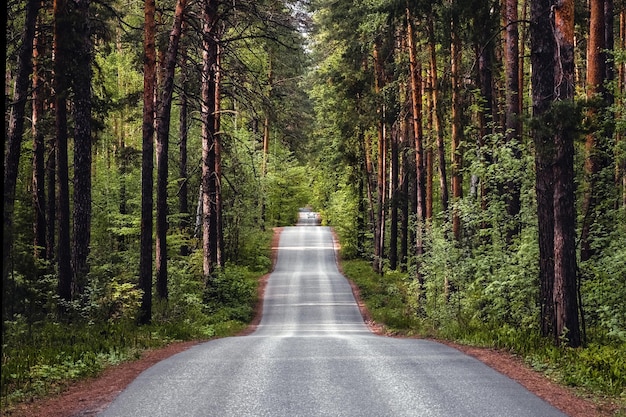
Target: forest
<point x="469" y="154"/>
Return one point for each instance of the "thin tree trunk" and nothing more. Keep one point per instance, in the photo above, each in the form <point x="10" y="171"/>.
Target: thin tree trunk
<point x="147" y="164"/>
<point x="428" y="147"/>
<point x="441" y="148"/>
<point x="183" y="192"/>
<point x="219" y="227"/>
<point x="379" y="234"/>
<point x="457" y="128"/>
<point x="369" y="177"/>
<point x="266" y="137"/>
<point x="405" y="175"/>
<point x="39" y="151"/>
<point x="418" y="134"/>
<point x="621" y="166"/>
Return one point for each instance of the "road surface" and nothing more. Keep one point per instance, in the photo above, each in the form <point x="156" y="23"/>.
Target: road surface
<point x="312" y="355"/>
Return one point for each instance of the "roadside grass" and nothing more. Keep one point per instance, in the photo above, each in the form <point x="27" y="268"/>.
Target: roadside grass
<point x="597" y="371"/>
<point x="42" y="359"/>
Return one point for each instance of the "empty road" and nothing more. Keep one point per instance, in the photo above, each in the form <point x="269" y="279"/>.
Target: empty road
<point x="312" y="355"/>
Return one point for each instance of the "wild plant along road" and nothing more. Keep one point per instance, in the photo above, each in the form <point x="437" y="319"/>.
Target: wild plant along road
<point x="312" y="355"/>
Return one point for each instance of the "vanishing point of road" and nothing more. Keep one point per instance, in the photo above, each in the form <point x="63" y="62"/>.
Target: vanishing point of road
<point x="312" y="355"/>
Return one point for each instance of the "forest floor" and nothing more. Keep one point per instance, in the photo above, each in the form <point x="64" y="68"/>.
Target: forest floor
<point x="89" y="397"/>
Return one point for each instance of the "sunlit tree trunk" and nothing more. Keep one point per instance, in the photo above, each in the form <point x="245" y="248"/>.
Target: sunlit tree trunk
<point x="147" y="164"/>
<point x="596" y="143"/>
<point x="208" y="114"/>
<point x="183" y="132"/>
<point x="379" y="233"/>
<point x="438" y="126"/>
<point x="415" y="77"/>
<point x="368" y="172"/>
<point x="428" y="144"/>
<point x="565" y="270"/>
<point x="218" y="160"/>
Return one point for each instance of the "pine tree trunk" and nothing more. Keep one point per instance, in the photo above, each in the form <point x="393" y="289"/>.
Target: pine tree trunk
<point x="147" y="165"/>
<point x="219" y="227"/>
<point x="39" y="151"/>
<point x="457" y="128"/>
<point x="183" y="192"/>
<point x="621" y="167"/>
<point x="565" y="273"/>
<point x="513" y="112"/>
<point x="208" y="114"/>
<point x="163" y="132"/>
<point x="594" y="146"/>
<point x="542" y="61"/>
<point x="379" y="233"/>
<point x="81" y="80"/>
<point x="14" y="142"/>
<point x="441" y="148"/>
<point x="418" y="134"/>
<point x="61" y="85"/>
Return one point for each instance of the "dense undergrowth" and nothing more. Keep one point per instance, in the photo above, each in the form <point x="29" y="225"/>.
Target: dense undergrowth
<point x="42" y="358"/>
<point x="597" y="370"/>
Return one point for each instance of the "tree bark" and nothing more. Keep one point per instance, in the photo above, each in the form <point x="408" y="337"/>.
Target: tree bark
<point x="457" y="128"/>
<point x="418" y="134"/>
<point x="163" y="120"/>
<point x="183" y="192"/>
<point x="62" y="54"/>
<point x="208" y="114"/>
<point x="379" y="233"/>
<point x="542" y="61"/>
<point x="513" y="112"/>
<point x="596" y="96"/>
<point x="147" y="164"/>
<point x="14" y="141"/>
<point x="81" y="81"/>
<point x="40" y="92"/>
<point x="441" y="148"/>
<point x="621" y="167"/>
<point x="565" y="279"/>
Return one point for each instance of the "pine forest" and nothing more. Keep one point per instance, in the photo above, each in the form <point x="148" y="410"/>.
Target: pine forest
<point x="470" y="155"/>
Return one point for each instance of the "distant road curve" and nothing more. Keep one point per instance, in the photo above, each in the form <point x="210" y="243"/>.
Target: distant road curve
<point x="312" y="355"/>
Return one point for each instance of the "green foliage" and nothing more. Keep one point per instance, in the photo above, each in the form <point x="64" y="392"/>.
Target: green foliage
<point x="391" y="301"/>
<point x="43" y="357"/>
<point x="604" y="291"/>
<point x="287" y="188"/>
<point x="339" y="209"/>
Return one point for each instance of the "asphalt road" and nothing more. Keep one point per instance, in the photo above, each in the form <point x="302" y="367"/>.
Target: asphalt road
<point x="312" y="355"/>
